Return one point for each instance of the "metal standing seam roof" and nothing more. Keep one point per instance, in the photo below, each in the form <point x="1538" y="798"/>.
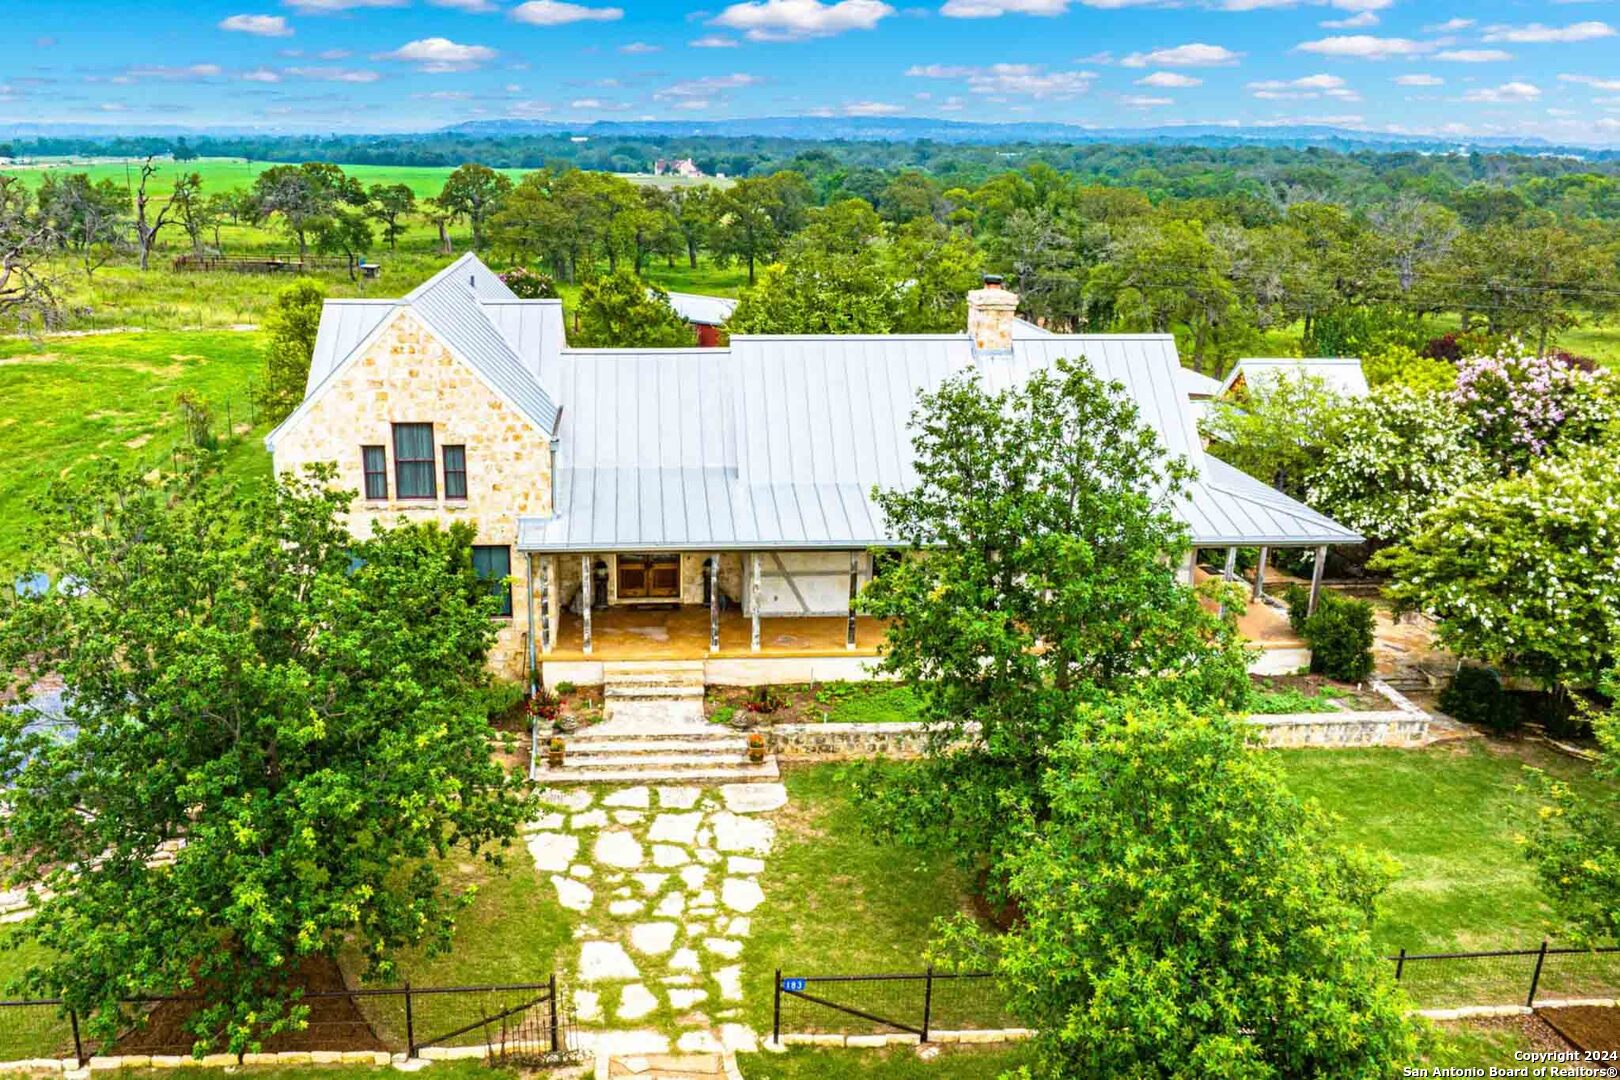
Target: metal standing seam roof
<point x="461" y="304"/>
<point x="1341" y="374"/>
<point x="779" y="441"/>
<point x="701" y="309"/>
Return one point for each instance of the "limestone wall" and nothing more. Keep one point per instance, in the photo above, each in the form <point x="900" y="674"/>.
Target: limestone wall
<point x="407" y="376"/>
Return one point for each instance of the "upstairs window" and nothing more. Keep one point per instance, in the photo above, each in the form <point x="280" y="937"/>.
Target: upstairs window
<point x="455" y="472"/>
<point x="413" y="462"/>
<point x="375" y="462"/>
<point x="494" y="565"/>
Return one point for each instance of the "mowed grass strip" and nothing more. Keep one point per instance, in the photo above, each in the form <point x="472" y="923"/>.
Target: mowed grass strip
<point x="67" y="402"/>
<point x="1451" y="816"/>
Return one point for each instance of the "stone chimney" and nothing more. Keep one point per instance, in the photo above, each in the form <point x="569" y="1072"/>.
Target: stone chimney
<point x="990" y="316"/>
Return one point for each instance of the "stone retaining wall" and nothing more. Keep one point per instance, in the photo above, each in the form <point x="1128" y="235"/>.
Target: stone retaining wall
<point x="832" y="742"/>
<point x="872" y="1042"/>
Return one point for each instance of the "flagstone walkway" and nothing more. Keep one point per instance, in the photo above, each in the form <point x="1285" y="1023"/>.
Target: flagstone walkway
<point x="665" y="880"/>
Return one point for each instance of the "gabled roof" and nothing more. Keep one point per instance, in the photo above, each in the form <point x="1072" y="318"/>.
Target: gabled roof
<point x="464" y="305"/>
<point x="1341" y="374"/>
<point x="702" y="310"/>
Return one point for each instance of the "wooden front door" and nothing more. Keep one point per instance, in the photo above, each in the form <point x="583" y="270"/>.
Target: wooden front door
<point x="649" y="577"/>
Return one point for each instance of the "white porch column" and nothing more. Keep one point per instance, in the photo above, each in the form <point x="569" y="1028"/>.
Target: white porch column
<point x="587" y="586"/>
<point x="1228" y="573"/>
<point x="1260" y="573"/>
<point x="1316" y="578"/>
<point x="528" y="591"/>
<point x="753" y="597"/>
<point x="714" y="602"/>
<point x="854" y="588"/>
<point x="545" y="605"/>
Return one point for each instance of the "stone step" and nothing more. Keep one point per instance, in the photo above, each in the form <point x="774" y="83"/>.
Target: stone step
<point x="735" y="773"/>
<point x="633" y="730"/>
<point x="658" y="745"/>
<point x="657" y="678"/>
<point x="667" y="759"/>
<point x="653" y="690"/>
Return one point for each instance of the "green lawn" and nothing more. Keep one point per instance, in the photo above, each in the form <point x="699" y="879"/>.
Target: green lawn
<point x="1450" y="816"/>
<point x="68" y="401"/>
<point x="836" y="903"/>
<point x="900" y="1063"/>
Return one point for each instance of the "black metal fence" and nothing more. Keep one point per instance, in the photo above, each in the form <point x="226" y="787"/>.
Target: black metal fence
<point x="521" y="1023"/>
<point x="1507" y="976"/>
<point x="919" y="1003"/>
<point x="916" y="1003"/>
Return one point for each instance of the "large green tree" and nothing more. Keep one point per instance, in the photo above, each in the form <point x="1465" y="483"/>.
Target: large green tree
<point x="1185" y="916"/>
<point x="1042" y="577"/>
<point x="278" y="738"/>
<point x="620" y="311"/>
<point x="290" y="326"/>
<point x="476" y="193"/>
<point x="305" y="195"/>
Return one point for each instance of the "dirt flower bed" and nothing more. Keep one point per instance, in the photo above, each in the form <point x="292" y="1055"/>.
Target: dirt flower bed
<point x="1276" y="694"/>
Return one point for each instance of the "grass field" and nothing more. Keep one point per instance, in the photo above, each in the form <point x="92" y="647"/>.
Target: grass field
<point x="226" y="174"/>
<point x="66" y="402"/>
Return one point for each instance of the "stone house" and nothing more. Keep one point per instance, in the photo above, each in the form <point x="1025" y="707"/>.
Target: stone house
<point x="712" y="506"/>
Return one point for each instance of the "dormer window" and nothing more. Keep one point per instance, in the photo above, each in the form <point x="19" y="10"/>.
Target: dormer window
<point x="414" y="466"/>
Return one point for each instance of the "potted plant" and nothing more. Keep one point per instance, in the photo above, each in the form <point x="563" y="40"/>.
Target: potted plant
<point x="756" y="747"/>
<point x="555" y="750"/>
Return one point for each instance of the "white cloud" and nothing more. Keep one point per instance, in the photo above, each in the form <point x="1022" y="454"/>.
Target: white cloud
<point x="332" y="54"/>
<point x="443" y="95"/>
<point x="261" y="75"/>
<point x="561" y="13"/>
<point x="438" y="55"/>
<point x="260" y="25"/>
<point x="1195" y="54"/>
<point x="1473" y="56"/>
<point x="795" y="20"/>
<point x="1364" y="47"/>
<point x="1450" y="26"/>
<point x="1167" y="80"/>
<point x="1419" y="80"/>
<point x="321" y="7"/>
<point x="640" y="48"/>
<point x="1510" y="93"/>
<point x="872" y="108"/>
<point x="713" y="41"/>
<point x="1354" y="22"/>
<point x="706" y="87"/>
<point x="1537" y="34"/>
<point x="176" y="74"/>
<point x="1139" y="101"/>
<point x="1303" y="89"/>
<point x="990" y="9"/>
<point x="1013" y="80"/>
<point x="333" y="74"/>
<point x="598" y="105"/>
<point x="477" y="7"/>
<point x="1596" y="82"/>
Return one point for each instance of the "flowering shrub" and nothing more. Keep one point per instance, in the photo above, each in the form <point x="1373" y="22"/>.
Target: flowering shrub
<point x="529" y="285"/>
<point x="1523" y="573"/>
<point x="1515" y="403"/>
<point x="1400" y="366"/>
<point x="1392" y="456"/>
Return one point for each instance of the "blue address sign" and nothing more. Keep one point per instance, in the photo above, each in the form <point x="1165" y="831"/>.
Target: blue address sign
<point x="793" y="986"/>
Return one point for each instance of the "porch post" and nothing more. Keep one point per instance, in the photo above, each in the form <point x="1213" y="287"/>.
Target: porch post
<point x="714" y="602"/>
<point x="854" y="586"/>
<point x="545" y="605"/>
<point x="1316" y="578"/>
<point x="587" y="586"/>
<point x="1260" y="573"/>
<point x="528" y="582"/>
<point x="753" y="597"/>
<point x="1228" y="572"/>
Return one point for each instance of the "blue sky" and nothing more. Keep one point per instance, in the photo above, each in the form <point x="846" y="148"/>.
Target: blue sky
<point x="1519" y="67"/>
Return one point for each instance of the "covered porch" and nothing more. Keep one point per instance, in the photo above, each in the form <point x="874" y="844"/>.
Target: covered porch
<point x="684" y="633"/>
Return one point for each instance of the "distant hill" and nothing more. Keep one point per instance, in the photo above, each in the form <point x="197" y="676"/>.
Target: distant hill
<point x="915" y="128"/>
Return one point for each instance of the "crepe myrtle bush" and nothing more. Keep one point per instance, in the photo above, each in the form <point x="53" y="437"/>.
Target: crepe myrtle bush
<point x="279" y="737"/>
